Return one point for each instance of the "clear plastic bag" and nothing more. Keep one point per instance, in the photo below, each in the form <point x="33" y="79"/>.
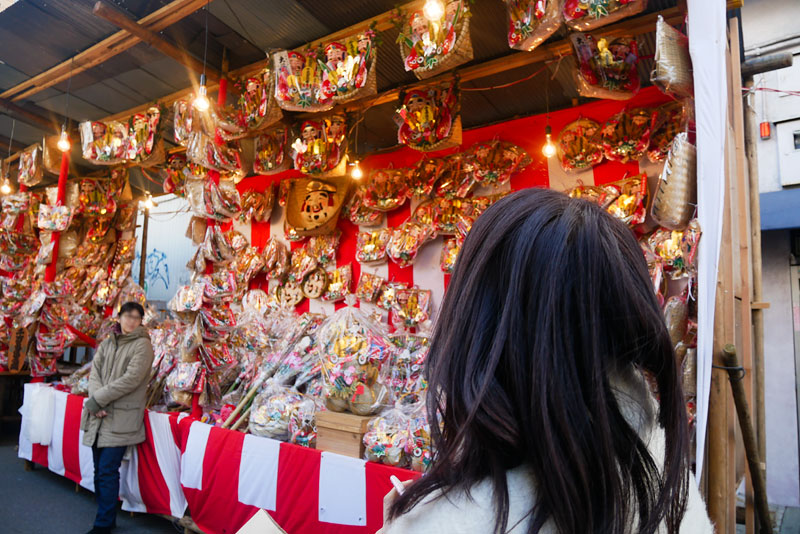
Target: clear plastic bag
<point x="277" y="259"/>
<point x="224" y="158"/>
<point x="577" y="146"/>
<point x="54" y="218"/>
<point x="672" y="68"/>
<point x="404" y="368"/>
<point x="303" y="263"/>
<point x="187" y="376"/>
<point x="387" y="438"/>
<point x="323" y="247"/>
<point x="302" y="423"/>
<point x="271" y="149"/>
<point x="494" y="163"/>
<point x="630" y="200"/>
<point x="104" y="143"/>
<point x="271" y="411"/>
<point x="388" y="294"/>
<point x="361" y="215"/>
<point x="30" y="166"/>
<point x="674" y="202"/>
<point x="352" y="350"/>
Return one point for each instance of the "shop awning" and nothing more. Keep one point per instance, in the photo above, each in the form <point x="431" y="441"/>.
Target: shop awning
<point x="780" y="209"/>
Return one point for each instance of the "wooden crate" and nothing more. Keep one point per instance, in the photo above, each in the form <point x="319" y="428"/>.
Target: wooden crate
<point x="342" y="433"/>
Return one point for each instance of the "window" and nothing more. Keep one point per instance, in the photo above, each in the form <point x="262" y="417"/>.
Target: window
<point x="797" y="140"/>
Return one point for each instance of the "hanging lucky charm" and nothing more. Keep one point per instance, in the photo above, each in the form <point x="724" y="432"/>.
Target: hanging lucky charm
<point x="320" y="149"/>
<point x="428" y="118"/>
<point x="432" y="46"/>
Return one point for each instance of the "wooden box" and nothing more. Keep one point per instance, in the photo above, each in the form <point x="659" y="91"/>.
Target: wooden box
<point x="342" y="433"/>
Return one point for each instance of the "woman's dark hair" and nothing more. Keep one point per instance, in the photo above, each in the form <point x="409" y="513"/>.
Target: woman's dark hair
<point x="131" y="306"/>
<point x="549" y="296"/>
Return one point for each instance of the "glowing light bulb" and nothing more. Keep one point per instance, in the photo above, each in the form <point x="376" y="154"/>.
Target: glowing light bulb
<point x="549" y="149"/>
<point x="6" y="187"/>
<point x="201" y="102"/>
<point x="148" y="202"/>
<point x="356" y="173"/>
<point x="64" y="143"/>
<point x="433" y="10"/>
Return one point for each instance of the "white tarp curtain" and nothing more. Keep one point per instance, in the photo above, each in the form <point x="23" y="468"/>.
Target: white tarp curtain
<point x="707" y="45"/>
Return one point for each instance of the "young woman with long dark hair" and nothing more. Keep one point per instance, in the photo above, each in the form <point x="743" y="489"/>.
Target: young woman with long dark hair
<point x="535" y="373"/>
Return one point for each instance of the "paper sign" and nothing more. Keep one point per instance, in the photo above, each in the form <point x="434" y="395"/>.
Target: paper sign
<point x="17" y="349"/>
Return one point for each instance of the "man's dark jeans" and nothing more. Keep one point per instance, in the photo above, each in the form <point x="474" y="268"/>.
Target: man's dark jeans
<point x="106" y="483"/>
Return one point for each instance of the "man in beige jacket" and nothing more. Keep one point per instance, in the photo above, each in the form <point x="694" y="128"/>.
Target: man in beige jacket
<point x="113" y="417"/>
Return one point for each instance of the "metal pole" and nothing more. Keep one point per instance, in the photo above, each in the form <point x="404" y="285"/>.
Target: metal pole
<point x="143" y="253"/>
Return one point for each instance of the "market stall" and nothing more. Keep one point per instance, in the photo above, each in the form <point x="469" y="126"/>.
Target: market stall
<point x="321" y="260"/>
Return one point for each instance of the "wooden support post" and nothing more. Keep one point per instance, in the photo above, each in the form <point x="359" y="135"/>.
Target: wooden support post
<point x="732" y="364"/>
<point x="742" y="256"/>
<point x="721" y="467"/>
<point x="124" y="22"/>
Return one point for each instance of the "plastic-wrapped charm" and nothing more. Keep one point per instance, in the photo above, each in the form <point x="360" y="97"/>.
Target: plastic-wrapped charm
<point x="626" y="135"/>
<point x="673" y="118"/>
<point x="429" y="47"/>
<point x="406" y="241"/>
<point x="371" y="246"/>
<point x="369" y="287"/>
<point x="531" y="22"/>
<point x="586" y="15"/>
<point x="578" y="149"/>
<point x="411" y="307"/>
<point x="388" y="294"/>
<point x="606" y="69"/>
<point x="630" y="204"/>
<point x="339" y="282"/>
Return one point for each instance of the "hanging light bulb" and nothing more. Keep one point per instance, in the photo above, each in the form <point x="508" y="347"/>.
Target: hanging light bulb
<point x="549" y="149"/>
<point x="64" y="143"/>
<point x="6" y="187"/>
<point x="356" y="173"/>
<point x="433" y="10"/>
<point x="149" y="203"/>
<point x="201" y="102"/>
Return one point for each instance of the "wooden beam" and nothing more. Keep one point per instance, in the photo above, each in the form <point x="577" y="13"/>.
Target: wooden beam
<point x="105" y="49"/>
<point x="632" y="27"/>
<point x="29" y="117"/>
<point x="16" y="146"/>
<point x="119" y="19"/>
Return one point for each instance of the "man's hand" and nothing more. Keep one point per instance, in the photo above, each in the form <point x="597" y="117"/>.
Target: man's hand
<point x="101" y="414"/>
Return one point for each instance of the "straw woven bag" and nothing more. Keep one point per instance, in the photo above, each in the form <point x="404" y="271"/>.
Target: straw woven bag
<point x="672" y="69"/>
<point x="370" y="87"/>
<point x="676" y="193"/>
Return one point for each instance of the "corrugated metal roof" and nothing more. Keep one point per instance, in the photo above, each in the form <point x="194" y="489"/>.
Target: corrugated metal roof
<point x="44" y="33"/>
